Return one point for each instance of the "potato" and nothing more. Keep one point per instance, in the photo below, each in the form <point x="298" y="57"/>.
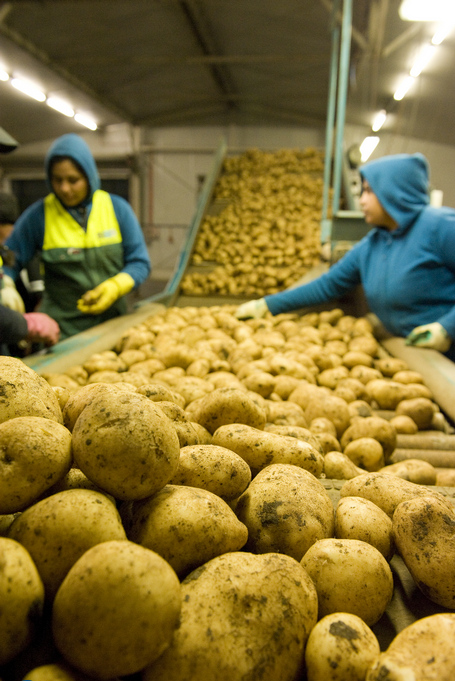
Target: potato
<point x="21" y="599"/>
<point x="365" y="344"/>
<point x="229" y="405"/>
<point x="415" y="470"/>
<point x="35" y="453"/>
<point x="422" y="651"/>
<point x="285" y="385"/>
<point x="339" y="467"/>
<point x="187" y="526"/>
<point x="331" y="377"/>
<point x="408" y="376"/>
<point x="243" y="617"/>
<point x="340" y="647"/>
<point x="261" y="448"/>
<point x="285" y="509"/>
<point x="354" y="358"/>
<point x="359" y="409"/>
<point x="423" y="532"/>
<point x="322" y="425"/>
<point x="387" y="393"/>
<point x="58" y="530"/>
<point x="99" y="361"/>
<point x="446" y="478"/>
<point x="55" y="672"/>
<point x="24" y="393"/>
<point x="116" y="610"/>
<point x="159" y="393"/>
<point x="79" y="399"/>
<point x="331" y="407"/>
<point x="387" y="491"/>
<point x="78" y="374"/>
<point x="286" y="414"/>
<point x="420" y="409"/>
<point x="126" y="445"/>
<point x="404" y="424"/>
<point x="328" y="442"/>
<point x="260" y="382"/>
<point x="357" y="518"/>
<point x="62" y="394"/>
<point x="388" y="366"/>
<point x="203" y="435"/>
<point x="366" y="453"/>
<point x="61" y="381"/>
<point x="300" y="433"/>
<point x="216" y="469"/>
<point x="365" y="374"/>
<point x="372" y="427"/>
<point x="350" y="576"/>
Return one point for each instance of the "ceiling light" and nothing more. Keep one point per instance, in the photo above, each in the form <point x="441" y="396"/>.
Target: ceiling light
<point x="367" y="147"/>
<point x="379" y="120"/>
<point x="422" y="60"/>
<point x="424" y="10"/>
<point x="442" y="33"/>
<point x="60" y="106"/>
<point x="403" y="88"/>
<point x="4" y="75"/>
<point x="83" y="120"/>
<point x="28" y="89"/>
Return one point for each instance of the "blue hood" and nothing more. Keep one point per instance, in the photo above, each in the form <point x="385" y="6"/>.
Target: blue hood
<point x="401" y="185"/>
<point x="74" y="147"/>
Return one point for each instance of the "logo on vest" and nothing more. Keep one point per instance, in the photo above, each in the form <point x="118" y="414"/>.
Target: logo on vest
<point x="107" y="234"/>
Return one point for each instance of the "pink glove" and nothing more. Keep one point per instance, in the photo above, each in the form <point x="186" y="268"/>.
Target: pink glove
<point x="41" y="328"/>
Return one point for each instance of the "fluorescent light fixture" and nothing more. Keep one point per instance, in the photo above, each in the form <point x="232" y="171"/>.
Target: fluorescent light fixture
<point x="379" y="120"/>
<point x="88" y="122"/>
<point x="3" y="75"/>
<point x="60" y="106"/>
<point x="367" y="147"/>
<point x="403" y="88"/>
<point x="442" y="33"/>
<point x="426" y="10"/>
<point x="28" y="89"/>
<point x="422" y="60"/>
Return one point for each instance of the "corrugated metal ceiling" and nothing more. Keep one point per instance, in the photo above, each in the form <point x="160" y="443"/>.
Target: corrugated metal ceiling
<point x="215" y="62"/>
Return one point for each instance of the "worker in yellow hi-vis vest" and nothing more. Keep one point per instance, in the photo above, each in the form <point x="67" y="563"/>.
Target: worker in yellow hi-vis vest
<point x="92" y="247"/>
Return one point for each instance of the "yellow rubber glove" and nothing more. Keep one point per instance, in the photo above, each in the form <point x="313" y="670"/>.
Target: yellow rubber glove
<point x="101" y="298"/>
<point x="9" y="297"/>
<point x="430" y="336"/>
<point x="253" y="309"/>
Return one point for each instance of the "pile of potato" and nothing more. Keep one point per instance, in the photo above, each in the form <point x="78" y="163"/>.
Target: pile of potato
<point x="164" y="514"/>
<point x="268" y="235"/>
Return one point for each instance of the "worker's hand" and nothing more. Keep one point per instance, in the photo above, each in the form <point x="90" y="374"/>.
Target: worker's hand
<point x="253" y="309"/>
<point x="42" y="328"/>
<point x="9" y="297"/>
<point x="430" y="336"/>
<point x="101" y="298"/>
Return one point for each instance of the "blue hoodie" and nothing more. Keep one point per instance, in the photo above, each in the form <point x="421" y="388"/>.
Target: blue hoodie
<point x="408" y="274"/>
<point x="28" y="235"/>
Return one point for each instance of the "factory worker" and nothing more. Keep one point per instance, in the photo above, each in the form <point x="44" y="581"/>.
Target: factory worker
<point x="406" y="264"/>
<point x="92" y="247"/>
<point x="32" y="327"/>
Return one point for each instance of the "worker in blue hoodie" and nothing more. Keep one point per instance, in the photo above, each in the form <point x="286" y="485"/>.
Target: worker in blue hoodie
<point x="92" y="247"/>
<point x="406" y="264"/>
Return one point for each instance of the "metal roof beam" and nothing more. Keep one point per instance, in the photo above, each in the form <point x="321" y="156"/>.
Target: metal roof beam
<point x="195" y="15"/>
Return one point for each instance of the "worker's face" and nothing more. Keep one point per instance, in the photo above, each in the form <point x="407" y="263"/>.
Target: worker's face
<point x="372" y="209"/>
<point x="5" y="231"/>
<point x="68" y="183"/>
